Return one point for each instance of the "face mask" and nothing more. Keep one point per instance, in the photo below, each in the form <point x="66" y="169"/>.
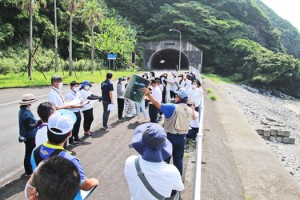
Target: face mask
<point x="76" y="89"/>
<point x="60" y="85"/>
<point x="194" y="86"/>
<point x="162" y="78"/>
<point x="87" y="87"/>
<point x="28" y="189"/>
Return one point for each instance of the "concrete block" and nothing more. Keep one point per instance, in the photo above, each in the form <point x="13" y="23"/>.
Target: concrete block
<point x="286" y="133"/>
<point x="260" y="131"/>
<point x="266" y="137"/>
<point x="280" y="133"/>
<point x="274" y="132"/>
<point x="285" y="140"/>
<point x="279" y="139"/>
<point x="273" y="138"/>
<point x="267" y="133"/>
<point x="291" y="140"/>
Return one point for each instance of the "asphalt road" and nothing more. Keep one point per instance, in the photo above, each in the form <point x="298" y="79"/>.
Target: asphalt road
<point x="11" y="151"/>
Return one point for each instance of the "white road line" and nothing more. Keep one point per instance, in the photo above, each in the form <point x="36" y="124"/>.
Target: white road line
<point x="8" y="178"/>
<point x="14" y="102"/>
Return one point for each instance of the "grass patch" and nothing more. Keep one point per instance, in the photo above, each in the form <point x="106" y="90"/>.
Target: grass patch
<point x="20" y="80"/>
<point x="209" y="90"/>
<point x="217" y="78"/>
<point x="213" y="97"/>
<point x="211" y="94"/>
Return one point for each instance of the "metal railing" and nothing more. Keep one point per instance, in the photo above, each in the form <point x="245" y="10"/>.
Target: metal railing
<point x="197" y="181"/>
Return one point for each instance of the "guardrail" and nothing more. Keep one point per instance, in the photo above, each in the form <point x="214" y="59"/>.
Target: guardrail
<point x="197" y="181"/>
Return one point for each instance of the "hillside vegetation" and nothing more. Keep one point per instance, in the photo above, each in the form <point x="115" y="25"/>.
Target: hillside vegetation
<point x="241" y="39"/>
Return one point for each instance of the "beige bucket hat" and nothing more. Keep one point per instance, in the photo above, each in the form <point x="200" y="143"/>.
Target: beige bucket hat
<point x="27" y="99"/>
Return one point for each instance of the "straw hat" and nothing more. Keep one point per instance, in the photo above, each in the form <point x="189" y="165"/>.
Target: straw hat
<point x="27" y="99"/>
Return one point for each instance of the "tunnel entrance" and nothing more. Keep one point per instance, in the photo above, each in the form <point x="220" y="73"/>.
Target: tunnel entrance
<point x="168" y="59"/>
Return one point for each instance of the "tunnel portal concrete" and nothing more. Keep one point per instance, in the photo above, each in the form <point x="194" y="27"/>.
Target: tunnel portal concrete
<point x="164" y="55"/>
<point x="168" y="59"/>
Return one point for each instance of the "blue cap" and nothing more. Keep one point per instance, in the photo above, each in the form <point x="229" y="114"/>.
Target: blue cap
<point x="85" y="83"/>
<point x="182" y="93"/>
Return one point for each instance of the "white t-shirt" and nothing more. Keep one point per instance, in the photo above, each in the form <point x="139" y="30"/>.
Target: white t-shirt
<point x="188" y="84"/>
<point x="182" y="84"/>
<point x="173" y="84"/>
<point x="161" y="176"/>
<point x="157" y="94"/>
<point x="85" y="94"/>
<point x="195" y="123"/>
<point x="74" y="97"/>
<point x="195" y="96"/>
<point x="161" y="87"/>
<point x="41" y="135"/>
<point x="55" y="97"/>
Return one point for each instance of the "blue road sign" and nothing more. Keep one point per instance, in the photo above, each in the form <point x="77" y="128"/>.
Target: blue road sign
<point x="111" y="56"/>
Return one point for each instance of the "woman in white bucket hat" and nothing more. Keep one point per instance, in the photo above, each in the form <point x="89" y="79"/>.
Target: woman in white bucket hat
<point x="27" y="129"/>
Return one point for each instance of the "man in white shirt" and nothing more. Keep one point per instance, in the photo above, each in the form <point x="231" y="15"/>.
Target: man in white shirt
<point x="157" y="94"/>
<point x="150" y="141"/>
<point x="55" y="96"/>
<point x="44" y="110"/>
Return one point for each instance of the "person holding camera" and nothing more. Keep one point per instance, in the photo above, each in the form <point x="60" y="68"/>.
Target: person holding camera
<point x="27" y="129"/>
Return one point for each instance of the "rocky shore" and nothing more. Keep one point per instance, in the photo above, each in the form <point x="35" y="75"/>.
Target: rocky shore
<point x="285" y="111"/>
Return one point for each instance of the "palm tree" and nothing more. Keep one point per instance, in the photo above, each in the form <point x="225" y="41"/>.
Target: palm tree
<point x="92" y="14"/>
<point x="72" y="6"/>
<point x="55" y="42"/>
<point x="29" y="6"/>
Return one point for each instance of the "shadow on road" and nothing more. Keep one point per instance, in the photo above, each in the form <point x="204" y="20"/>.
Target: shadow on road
<point x="13" y="187"/>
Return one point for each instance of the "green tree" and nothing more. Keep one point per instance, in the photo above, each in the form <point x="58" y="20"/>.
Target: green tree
<point x="72" y="6"/>
<point x="55" y="37"/>
<point x="30" y="6"/>
<point x="92" y="14"/>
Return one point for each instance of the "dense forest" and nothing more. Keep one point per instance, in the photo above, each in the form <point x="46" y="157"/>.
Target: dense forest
<point x="241" y="39"/>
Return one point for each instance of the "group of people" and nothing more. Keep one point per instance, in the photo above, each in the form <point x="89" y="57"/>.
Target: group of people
<point x="46" y="139"/>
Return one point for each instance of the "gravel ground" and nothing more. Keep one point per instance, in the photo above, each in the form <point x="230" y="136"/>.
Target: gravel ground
<point x="260" y="105"/>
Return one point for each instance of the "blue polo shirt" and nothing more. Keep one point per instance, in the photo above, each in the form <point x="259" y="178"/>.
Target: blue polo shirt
<point x="46" y="151"/>
<point x="167" y="109"/>
<point x="106" y="87"/>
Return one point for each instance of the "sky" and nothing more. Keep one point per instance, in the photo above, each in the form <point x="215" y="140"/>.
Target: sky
<point x="287" y="9"/>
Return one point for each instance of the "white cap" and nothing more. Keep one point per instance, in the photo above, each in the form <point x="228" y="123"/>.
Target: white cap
<point x="62" y="120"/>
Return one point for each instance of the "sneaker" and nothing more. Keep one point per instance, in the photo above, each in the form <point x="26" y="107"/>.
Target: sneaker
<point x="78" y="141"/>
<point x="27" y="175"/>
<point x="73" y="144"/>
<point x="120" y="120"/>
<point x="106" y="127"/>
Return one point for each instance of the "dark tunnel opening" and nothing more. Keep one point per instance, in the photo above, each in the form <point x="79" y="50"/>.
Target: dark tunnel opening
<point x="168" y="59"/>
